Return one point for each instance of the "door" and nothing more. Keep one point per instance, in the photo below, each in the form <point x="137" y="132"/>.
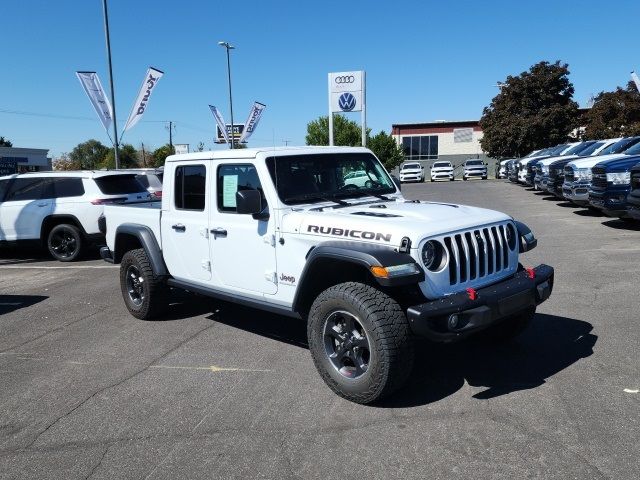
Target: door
<point x="184" y="225"/>
<point x="243" y="253"/>
<point x="23" y="209"/>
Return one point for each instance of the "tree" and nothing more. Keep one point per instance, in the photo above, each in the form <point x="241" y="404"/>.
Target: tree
<point x="5" y="143"/>
<point x="532" y="111"/>
<point x="614" y="114"/>
<point x="127" y="155"/>
<point x="345" y="132"/>
<point x="63" y="162"/>
<point x="88" y="155"/>
<point x="386" y="149"/>
<point x="161" y="154"/>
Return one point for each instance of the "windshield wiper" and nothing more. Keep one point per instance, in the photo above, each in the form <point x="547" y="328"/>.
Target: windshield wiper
<point x="315" y="196"/>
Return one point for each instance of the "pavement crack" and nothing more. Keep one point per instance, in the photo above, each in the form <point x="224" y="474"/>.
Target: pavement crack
<point x="95" y="467"/>
<point x="116" y="384"/>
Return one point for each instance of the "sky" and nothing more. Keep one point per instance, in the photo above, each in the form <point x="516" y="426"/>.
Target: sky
<point x="424" y="61"/>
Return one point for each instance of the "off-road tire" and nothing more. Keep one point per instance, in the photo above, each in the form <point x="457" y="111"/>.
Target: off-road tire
<point x="73" y="244"/>
<point x="388" y="333"/>
<point x="464" y="178"/>
<point x="155" y="293"/>
<point x="509" y="328"/>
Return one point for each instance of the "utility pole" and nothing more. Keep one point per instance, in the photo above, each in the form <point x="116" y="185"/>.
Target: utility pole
<point x="113" y="95"/>
<point x="144" y="156"/>
<point x="171" y="134"/>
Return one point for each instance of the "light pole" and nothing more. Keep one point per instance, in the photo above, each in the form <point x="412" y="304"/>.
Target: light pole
<point x="228" y="47"/>
<point x="113" y="95"/>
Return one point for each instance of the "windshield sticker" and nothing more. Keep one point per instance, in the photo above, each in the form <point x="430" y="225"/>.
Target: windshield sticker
<point x="229" y="189"/>
<point x="341" y="232"/>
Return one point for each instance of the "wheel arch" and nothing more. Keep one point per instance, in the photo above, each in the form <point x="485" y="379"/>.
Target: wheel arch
<point x="130" y="236"/>
<point x="331" y="263"/>
<point x="51" y="221"/>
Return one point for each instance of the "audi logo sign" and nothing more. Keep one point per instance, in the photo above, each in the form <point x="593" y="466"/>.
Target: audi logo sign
<point x="344" y="79"/>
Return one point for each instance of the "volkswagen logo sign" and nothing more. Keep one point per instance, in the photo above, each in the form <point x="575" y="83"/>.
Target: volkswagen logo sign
<point x="347" y="102"/>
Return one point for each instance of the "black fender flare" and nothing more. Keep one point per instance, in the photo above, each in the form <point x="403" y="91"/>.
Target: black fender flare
<point x="148" y="242"/>
<point x="361" y="254"/>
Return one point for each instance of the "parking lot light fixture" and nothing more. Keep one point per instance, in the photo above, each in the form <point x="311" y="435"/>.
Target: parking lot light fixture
<point x="228" y="47"/>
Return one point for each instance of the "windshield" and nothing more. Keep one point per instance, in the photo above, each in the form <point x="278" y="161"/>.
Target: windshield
<point x="555" y="151"/>
<point x="590" y="149"/>
<point x="577" y="149"/>
<point x="408" y="166"/>
<point x="441" y="165"/>
<point x="634" y="150"/>
<point x="474" y="162"/>
<point x="620" y="146"/>
<point x="308" y="178"/>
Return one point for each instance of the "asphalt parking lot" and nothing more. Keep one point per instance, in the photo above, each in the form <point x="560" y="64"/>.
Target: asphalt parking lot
<point x="220" y="391"/>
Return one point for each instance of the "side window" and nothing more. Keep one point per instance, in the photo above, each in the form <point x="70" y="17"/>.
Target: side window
<point x="63" y="187"/>
<point x="190" y="187"/>
<point x="231" y="179"/>
<point x="22" y="189"/>
<point x="3" y="188"/>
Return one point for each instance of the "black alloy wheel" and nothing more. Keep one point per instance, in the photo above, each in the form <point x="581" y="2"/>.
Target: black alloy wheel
<point x="346" y="344"/>
<point x="65" y="242"/>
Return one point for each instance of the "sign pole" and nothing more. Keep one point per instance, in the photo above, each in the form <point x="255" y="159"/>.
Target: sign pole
<point x="113" y="95"/>
<point x="330" y="115"/>
<point x="364" y="109"/>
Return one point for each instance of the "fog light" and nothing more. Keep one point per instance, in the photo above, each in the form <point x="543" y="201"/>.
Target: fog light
<point x="453" y="321"/>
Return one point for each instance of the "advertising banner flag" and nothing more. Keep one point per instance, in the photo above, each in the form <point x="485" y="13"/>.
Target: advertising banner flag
<point x="221" y="125"/>
<point x="140" y="105"/>
<point x="636" y="80"/>
<point x="93" y="88"/>
<point x="252" y="122"/>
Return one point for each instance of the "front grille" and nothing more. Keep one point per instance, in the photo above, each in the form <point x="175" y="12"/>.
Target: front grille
<point x="529" y="168"/>
<point x="635" y="181"/>
<point x="554" y="173"/>
<point x="599" y="177"/>
<point x="568" y="175"/>
<point x="476" y="254"/>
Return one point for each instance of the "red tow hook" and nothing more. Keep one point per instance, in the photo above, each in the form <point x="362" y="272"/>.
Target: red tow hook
<point x="531" y="272"/>
<point x="472" y="293"/>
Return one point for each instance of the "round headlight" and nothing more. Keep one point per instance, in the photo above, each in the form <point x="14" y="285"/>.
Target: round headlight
<point x="433" y="256"/>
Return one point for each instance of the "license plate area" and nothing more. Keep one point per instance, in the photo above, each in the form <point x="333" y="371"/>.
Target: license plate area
<point x="515" y="303"/>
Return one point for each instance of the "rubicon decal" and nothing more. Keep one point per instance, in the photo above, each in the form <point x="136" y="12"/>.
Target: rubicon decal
<point x="342" y="232"/>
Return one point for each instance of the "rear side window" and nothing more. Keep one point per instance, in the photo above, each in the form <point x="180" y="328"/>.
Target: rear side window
<point x="119" y="184"/>
<point x="190" y="187"/>
<point x="24" y="189"/>
<point x="149" y="180"/>
<point x="3" y="188"/>
<point x="63" y="187"/>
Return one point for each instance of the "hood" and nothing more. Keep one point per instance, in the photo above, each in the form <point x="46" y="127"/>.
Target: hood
<point x="550" y="160"/>
<point x="438" y="169"/>
<point x="621" y="164"/>
<point x="561" y="162"/>
<point x="387" y="223"/>
<point x="589" y="162"/>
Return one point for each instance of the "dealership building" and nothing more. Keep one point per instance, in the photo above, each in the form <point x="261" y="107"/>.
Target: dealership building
<point x="454" y="141"/>
<point x="21" y="160"/>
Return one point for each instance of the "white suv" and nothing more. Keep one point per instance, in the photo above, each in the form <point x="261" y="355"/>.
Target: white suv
<point x="442" y="171"/>
<point x="61" y="209"/>
<point x="412" y="172"/>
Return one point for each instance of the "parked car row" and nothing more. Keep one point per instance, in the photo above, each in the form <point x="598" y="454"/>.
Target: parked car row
<point x="443" y="170"/>
<point x="600" y="174"/>
<point x="61" y="210"/>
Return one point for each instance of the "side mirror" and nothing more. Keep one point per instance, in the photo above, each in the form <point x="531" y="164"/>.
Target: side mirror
<point x="248" y="202"/>
<point x="397" y="181"/>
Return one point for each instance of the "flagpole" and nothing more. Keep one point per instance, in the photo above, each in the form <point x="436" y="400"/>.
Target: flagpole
<point x="113" y="96"/>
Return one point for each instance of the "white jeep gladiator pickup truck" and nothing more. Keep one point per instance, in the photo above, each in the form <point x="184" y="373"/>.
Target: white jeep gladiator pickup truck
<point x="285" y="230"/>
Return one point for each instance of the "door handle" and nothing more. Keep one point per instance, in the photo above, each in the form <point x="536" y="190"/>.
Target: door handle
<point x="218" y="232"/>
<point x="178" y="227"/>
<point x="43" y="204"/>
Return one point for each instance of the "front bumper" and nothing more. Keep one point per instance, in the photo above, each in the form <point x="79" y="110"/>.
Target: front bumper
<point x="576" y="192"/>
<point x="411" y="177"/>
<point x="612" y="203"/>
<point x="492" y="305"/>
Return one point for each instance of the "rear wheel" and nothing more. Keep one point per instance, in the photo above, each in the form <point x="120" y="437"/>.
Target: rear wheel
<point x="145" y="295"/>
<point x="360" y="342"/>
<point x="65" y="242"/>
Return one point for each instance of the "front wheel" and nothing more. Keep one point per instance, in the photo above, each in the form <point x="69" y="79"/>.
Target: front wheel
<point x="145" y="295"/>
<point x="65" y="242"/>
<point x="360" y="342"/>
<point x="464" y="178"/>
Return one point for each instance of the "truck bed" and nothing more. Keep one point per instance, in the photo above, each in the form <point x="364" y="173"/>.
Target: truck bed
<point x="144" y="213"/>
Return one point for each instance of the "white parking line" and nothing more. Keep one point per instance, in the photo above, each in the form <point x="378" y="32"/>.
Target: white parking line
<point x="27" y="267"/>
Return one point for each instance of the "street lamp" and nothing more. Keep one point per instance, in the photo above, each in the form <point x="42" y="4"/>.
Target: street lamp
<point x="228" y="47"/>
